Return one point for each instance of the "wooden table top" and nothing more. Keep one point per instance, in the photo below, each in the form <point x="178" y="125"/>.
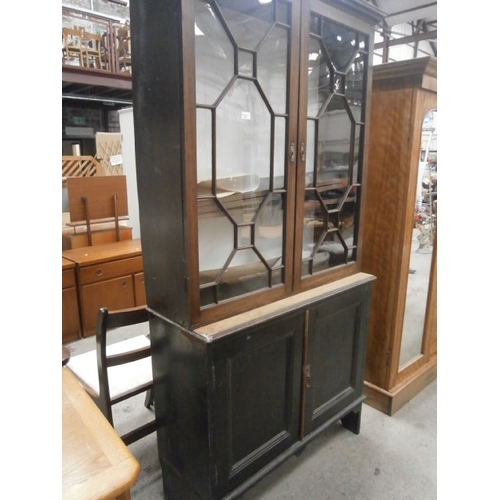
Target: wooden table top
<point x="104" y="253"/>
<point x="96" y="464"/>
<point x="67" y="264"/>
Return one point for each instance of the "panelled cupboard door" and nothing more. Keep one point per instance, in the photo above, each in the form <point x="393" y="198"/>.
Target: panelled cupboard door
<point x="116" y="293"/>
<point x="250" y="122"/>
<point x="336" y="350"/>
<point x="257" y="378"/>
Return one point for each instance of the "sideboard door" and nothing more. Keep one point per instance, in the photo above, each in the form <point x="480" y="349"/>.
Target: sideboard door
<point x="256" y="403"/>
<point x="336" y="334"/>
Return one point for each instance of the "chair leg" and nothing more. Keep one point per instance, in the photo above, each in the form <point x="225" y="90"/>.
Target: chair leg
<point x="149" y="400"/>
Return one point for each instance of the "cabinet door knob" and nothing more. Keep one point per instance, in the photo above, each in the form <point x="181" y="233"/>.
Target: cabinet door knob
<point x="99" y="272"/>
<point x="124" y="284"/>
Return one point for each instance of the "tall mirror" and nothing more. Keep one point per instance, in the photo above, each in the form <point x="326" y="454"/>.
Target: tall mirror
<point x="423" y="237"/>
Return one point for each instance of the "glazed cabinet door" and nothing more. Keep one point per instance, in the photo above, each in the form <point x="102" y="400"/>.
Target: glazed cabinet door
<point x="332" y="114"/>
<point x="256" y="399"/>
<point x="336" y="331"/>
<point x="246" y="93"/>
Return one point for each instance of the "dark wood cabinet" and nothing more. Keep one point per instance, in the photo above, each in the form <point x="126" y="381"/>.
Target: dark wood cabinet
<point x="250" y="121"/>
<point x="239" y="396"/>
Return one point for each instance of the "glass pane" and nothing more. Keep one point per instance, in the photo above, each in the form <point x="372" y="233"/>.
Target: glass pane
<point x="248" y="21"/>
<point x="204" y="146"/>
<point x="318" y="78"/>
<point x="213" y="253"/>
<point x="243" y="137"/>
<point x="341" y="44"/>
<point x="315" y="24"/>
<point x="272" y="68"/>
<point x="334" y="143"/>
<point x="310" y="152"/>
<point x="246" y="273"/>
<point x="269" y="229"/>
<point x="214" y="55"/>
<point x="355" y="78"/>
<point x="283" y="12"/>
<point x="245" y="63"/>
<point x="279" y="152"/>
<point x="242" y="209"/>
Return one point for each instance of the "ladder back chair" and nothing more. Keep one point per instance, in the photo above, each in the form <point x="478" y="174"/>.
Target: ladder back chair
<point x="92" y="50"/>
<point x="116" y="372"/>
<point x="72" y="46"/>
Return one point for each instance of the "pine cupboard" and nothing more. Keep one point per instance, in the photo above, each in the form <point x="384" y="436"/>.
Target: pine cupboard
<point x="404" y="93"/>
<point x="250" y="121"/>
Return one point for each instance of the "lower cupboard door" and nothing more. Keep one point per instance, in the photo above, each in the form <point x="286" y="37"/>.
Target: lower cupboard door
<point x="256" y="407"/>
<point x="336" y="348"/>
<point x="117" y="293"/>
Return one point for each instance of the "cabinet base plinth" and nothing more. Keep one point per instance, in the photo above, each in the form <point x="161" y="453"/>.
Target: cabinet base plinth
<point x="389" y="402"/>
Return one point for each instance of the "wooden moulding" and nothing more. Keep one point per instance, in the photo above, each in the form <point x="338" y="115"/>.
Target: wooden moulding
<point x="389" y="402"/>
<point x="413" y="73"/>
<point x="230" y="325"/>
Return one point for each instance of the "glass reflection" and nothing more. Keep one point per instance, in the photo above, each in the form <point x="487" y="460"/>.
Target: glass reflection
<point x="214" y="55"/>
<point x="422" y="245"/>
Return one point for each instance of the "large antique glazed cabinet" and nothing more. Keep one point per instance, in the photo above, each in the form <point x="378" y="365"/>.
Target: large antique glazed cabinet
<point x="250" y="123"/>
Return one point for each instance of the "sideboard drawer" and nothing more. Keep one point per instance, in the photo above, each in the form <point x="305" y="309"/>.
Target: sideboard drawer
<point x="107" y="270"/>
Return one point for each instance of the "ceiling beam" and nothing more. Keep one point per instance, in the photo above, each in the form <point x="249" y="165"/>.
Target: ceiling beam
<point x="428" y="35"/>
<point x="413" y="9"/>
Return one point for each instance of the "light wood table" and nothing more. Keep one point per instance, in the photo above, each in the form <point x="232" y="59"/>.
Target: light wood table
<point x="96" y="464"/>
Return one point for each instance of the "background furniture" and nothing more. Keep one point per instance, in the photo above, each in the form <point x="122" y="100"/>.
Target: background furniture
<point x="72" y="46"/>
<point x="403" y="93"/>
<point x="95" y="461"/>
<point x="112" y="373"/>
<point x="108" y="275"/>
<point x="250" y="208"/>
<point x="95" y="200"/>
<point x="124" y="52"/>
<point x="70" y="310"/>
<point x="79" y="166"/>
<point x="92" y="50"/>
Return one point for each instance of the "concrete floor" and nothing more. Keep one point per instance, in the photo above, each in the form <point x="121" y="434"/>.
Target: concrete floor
<point x="393" y="458"/>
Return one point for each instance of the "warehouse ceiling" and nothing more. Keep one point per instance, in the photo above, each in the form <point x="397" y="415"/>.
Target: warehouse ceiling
<point x="407" y="11"/>
<point x="420" y="14"/>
